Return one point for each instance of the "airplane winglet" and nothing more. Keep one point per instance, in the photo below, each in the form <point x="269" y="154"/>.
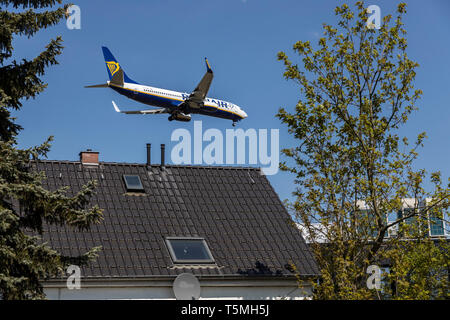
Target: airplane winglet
<point x="115" y="107"/>
<point x="208" y="67"/>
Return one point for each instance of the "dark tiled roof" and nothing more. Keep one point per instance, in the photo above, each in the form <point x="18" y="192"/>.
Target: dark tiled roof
<point x="235" y="209"/>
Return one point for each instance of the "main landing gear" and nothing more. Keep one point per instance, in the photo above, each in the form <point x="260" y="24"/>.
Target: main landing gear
<point x="234" y="124"/>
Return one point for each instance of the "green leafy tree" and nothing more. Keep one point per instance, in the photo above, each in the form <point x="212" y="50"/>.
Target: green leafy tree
<point x="352" y="168"/>
<point x="25" y="206"/>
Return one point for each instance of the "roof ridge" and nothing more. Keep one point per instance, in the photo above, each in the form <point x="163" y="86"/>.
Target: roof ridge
<point x="193" y="166"/>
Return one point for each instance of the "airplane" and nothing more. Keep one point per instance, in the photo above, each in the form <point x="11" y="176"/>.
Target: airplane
<point x="178" y="105"/>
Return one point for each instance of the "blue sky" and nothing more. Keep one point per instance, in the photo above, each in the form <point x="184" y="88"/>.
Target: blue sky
<point x="163" y="43"/>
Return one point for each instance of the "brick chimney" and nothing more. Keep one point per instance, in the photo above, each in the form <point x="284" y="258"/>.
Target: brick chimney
<point x="89" y="157"/>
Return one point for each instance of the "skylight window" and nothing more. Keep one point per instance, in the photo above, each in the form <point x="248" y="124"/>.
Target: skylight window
<point x="189" y="250"/>
<point x="133" y="182"/>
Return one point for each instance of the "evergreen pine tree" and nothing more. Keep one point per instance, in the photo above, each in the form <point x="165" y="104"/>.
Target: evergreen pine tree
<point x="25" y="206"/>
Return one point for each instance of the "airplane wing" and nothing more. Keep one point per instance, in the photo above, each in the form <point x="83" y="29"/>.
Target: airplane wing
<point x="103" y="85"/>
<point x="154" y="111"/>
<point x="200" y="92"/>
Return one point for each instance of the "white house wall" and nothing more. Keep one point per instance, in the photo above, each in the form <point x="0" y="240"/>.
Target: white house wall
<point x="162" y="289"/>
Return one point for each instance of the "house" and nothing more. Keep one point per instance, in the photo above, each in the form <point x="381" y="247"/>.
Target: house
<point x="413" y="218"/>
<point x="224" y="225"/>
<point x="436" y="228"/>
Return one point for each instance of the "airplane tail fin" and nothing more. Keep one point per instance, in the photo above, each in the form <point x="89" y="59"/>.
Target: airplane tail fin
<point x="115" y="71"/>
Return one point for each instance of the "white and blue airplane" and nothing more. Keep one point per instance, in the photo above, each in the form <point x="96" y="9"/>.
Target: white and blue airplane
<point x="179" y="105"/>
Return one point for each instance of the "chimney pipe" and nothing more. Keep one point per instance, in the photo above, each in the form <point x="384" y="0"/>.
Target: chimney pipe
<point x="149" y="148"/>
<point x="163" y="151"/>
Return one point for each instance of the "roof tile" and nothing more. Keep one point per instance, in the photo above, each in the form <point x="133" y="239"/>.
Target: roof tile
<point x="235" y="209"/>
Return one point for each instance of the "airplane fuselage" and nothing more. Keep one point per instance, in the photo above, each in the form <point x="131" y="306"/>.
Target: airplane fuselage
<point x="173" y="99"/>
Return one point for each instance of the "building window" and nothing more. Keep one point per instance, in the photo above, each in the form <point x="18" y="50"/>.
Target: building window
<point x="436" y="226"/>
<point x="133" y="183"/>
<point x="189" y="250"/>
<point x="365" y="223"/>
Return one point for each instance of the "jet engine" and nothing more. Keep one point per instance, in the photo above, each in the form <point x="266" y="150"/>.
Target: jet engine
<point x="180" y="116"/>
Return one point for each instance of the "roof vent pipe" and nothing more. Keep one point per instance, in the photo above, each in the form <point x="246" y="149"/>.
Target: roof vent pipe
<point x="163" y="151"/>
<point x="149" y="154"/>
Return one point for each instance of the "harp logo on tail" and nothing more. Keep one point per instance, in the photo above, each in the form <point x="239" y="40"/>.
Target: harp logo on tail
<point x="113" y="67"/>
